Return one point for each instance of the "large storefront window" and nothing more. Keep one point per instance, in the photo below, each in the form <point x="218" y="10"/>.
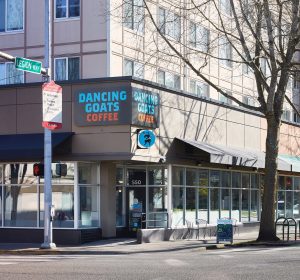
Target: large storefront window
<point x="236" y="195"/>
<point x="88" y="195"/>
<point x="245" y="196"/>
<point x="254" y="198"/>
<point x="203" y="195"/>
<point x="177" y="204"/>
<point x="214" y="179"/>
<point x="213" y="194"/>
<point x="225" y="194"/>
<point x="20" y="206"/>
<point x="296" y="207"/>
<point x="22" y="195"/>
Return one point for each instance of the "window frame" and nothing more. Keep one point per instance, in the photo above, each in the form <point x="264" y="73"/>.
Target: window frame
<point x="67" y="17"/>
<point x="197" y="43"/>
<point x="5" y="21"/>
<point x="225" y="61"/>
<point x="226" y="100"/>
<point x="166" y="25"/>
<point x="197" y="83"/>
<point x="139" y="28"/>
<point x="223" y="10"/>
<point x="170" y="74"/>
<point x="67" y="67"/>
<point x="134" y="65"/>
<point x="22" y="74"/>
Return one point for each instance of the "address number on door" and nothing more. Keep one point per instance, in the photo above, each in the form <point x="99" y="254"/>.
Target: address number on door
<point x="136" y="182"/>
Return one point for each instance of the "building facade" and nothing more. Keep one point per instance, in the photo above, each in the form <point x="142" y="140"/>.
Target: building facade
<point x="162" y="143"/>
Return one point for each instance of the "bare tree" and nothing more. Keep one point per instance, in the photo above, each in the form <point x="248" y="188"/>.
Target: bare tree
<point x="260" y="35"/>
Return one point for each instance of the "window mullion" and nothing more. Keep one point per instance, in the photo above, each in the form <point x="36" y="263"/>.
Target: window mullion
<point x="67" y="8"/>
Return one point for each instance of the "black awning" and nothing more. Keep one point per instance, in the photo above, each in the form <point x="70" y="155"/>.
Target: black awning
<point x="21" y="147"/>
<point x="235" y="156"/>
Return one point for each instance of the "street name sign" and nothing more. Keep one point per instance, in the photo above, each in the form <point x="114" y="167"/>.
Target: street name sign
<point x="52" y="106"/>
<point x="28" y="65"/>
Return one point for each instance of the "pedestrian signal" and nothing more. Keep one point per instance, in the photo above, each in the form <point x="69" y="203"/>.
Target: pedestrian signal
<point x="38" y="169"/>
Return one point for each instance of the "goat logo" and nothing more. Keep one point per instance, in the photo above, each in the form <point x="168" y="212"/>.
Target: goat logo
<point x="146" y="139"/>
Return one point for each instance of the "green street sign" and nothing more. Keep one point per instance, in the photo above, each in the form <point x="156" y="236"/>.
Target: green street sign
<point x="28" y="65"/>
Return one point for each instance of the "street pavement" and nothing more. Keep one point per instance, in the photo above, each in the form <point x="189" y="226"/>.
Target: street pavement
<point x="130" y="246"/>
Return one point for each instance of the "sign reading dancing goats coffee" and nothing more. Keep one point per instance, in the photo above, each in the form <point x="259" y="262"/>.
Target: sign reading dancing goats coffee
<point x="114" y="105"/>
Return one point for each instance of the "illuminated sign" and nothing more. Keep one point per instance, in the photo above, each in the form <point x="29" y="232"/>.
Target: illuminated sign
<point x="112" y="104"/>
<point x="103" y="106"/>
<point x="145" y="108"/>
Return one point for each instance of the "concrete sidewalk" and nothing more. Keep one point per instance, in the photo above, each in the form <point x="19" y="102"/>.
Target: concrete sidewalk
<point x="130" y="246"/>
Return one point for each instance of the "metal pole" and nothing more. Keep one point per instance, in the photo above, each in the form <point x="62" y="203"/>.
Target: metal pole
<point x="48" y="244"/>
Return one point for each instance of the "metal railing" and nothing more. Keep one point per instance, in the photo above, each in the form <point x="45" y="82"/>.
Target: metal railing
<point x="155" y="220"/>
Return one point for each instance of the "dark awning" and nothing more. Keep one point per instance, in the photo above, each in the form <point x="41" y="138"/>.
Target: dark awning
<point x="21" y="147"/>
<point x="234" y="156"/>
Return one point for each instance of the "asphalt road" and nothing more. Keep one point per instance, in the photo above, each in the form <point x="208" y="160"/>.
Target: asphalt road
<point x="230" y="264"/>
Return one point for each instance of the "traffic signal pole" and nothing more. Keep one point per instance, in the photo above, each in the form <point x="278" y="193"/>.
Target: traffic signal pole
<point x="48" y="208"/>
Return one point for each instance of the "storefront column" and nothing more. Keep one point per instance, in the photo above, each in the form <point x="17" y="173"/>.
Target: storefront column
<point x="108" y="199"/>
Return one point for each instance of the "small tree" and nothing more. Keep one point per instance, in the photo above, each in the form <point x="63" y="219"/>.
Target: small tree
<point x="260" y="35"/>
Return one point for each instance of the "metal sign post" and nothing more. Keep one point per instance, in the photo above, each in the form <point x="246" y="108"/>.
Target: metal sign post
<point x="48" y="242"/>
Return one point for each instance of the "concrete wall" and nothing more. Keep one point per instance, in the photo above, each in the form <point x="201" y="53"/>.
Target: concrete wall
<point x="107" y="199"/>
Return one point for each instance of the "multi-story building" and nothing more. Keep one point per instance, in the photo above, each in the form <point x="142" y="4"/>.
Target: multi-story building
<point x="208" y="153"/>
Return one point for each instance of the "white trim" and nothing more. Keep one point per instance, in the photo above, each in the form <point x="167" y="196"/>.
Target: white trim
<point x="67" y="17"/>
<point x="13" y="31"/>
<point x="67" y="66"/>
<point x="6" y="77"/>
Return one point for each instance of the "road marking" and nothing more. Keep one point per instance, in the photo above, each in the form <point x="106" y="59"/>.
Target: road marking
<point x="12" y="259"/>
<point x="175" y="262"/>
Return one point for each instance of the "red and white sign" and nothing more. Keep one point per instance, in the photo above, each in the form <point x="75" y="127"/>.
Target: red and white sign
<point x="52" y="106"/>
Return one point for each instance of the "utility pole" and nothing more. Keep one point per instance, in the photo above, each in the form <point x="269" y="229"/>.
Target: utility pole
<point x="48" y="207"/>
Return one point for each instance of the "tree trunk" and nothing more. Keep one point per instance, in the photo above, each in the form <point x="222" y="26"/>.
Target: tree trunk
<point x="267" y="231"/>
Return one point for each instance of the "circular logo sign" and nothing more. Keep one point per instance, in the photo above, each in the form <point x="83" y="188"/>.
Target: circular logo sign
<point x="146" y="139"/>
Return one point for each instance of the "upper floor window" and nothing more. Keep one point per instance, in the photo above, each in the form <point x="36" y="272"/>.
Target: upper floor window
<point x="199" y="89"/>
<point x="11" y="15"/>
<point x="286" y="115"/>
<point x="134" y="14"/>
<point x="67" y="8"/>
<point x="10" y="75"/>
<point x="225" y="51"/>
<point x="225" y="99"/>
<point x="67" y="68"/>
<point x="225" y="7"/>
<point x="169" y="24"/>
<point x="248" y="100"/>
<point x="168" y="79"/>
<point x="199" y="37"/>
<point x="133" y="68"/>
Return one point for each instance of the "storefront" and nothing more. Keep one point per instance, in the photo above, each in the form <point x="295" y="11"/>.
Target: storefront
<point x="135" y="155"/>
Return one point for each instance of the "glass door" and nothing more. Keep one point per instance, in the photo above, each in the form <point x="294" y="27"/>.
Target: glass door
<point x="136" y="206"/>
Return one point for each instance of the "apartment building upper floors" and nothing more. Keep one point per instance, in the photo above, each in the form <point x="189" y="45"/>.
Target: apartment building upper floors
<point x="90" y="42"/>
